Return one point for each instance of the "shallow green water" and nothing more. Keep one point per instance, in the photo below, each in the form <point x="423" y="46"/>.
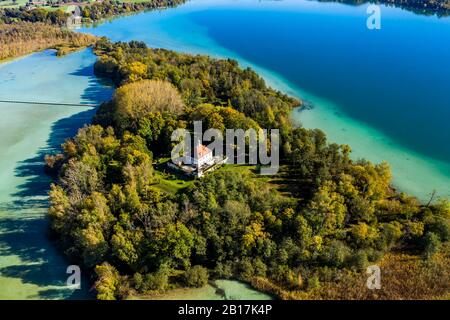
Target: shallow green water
<point x="235" y="290"/>
<point x="30" y="265"/>
<point x="230" y="290"/>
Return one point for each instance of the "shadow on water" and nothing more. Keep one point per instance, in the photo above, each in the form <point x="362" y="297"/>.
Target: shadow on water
<point x="24" y="228"/>
<point x="41" y="264"/>
<point x="95" y="92"/>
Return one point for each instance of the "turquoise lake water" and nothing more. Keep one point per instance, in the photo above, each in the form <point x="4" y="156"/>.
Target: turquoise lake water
<point x="384" y="92"/>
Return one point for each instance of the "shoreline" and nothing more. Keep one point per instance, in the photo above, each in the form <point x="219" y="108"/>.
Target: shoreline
<point x="52" y="48"/>
<point x="211" y="291"/>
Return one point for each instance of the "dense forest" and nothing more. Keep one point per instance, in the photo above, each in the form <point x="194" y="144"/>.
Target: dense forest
<point x="107" y="9"/>
<point x="90" y="12"/>
<point x="308" y="232"/>
<point x="23" y="31"/>
<point x="22" y="38"/>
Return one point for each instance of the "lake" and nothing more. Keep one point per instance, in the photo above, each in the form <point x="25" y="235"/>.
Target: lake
<point x="383" y="92"/>
<point x="31" y="267"/>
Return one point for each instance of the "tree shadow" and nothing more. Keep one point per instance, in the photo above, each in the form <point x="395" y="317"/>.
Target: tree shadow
<point x="37" y="182"/>
<point x="24" y="226"/>
<point x="95" y="93"/>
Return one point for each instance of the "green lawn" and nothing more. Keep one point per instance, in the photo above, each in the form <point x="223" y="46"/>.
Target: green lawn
<point x="282" y="181"/>
<point x="172" y="185"/>
<point x="10" y="4"/>
<point x="169" y="180"/>
<point x="251" y="169"/>
<point x="172" y="182"/>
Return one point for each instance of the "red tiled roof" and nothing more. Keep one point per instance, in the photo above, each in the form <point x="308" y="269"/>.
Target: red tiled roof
<point x="202" y="151"/>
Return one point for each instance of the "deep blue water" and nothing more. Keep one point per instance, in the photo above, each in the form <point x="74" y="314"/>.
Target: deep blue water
<point x="396" y="79"/>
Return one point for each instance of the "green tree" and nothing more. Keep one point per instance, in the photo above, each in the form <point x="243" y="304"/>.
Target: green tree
<point x="138" y="100"/>
<point x="432" y="244"/>
<point x="108" y="282"/>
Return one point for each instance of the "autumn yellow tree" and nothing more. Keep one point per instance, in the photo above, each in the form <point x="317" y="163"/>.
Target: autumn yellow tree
<point x="135" y="101"/>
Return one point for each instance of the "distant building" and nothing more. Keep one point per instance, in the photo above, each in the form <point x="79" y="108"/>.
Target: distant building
<point x="77" y="12"/>
<point x="32" y="4"/>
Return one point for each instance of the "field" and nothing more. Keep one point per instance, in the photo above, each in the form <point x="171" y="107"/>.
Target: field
<point x="172" y="182"/>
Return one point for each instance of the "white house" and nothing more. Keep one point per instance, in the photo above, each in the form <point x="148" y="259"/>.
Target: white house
<point x="203" y="156"/>
<point x="198" y="163"/>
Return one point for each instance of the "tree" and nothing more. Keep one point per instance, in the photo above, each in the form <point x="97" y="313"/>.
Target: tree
<point x="137" y="100"/>
<point x="137" y="71"/>
<point x="107" y="283"/>
<point x="157" y="281"/>
<point x="336" y="253"/>
<point x="80" y="180"/>
<point x="197" y="276"/>
<point x="173" y="244"/>
<point x="126" y="245"/>
<point x="327" y="210"/>
<point x="390" y="233"/>
<point x="254" y="233"/>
